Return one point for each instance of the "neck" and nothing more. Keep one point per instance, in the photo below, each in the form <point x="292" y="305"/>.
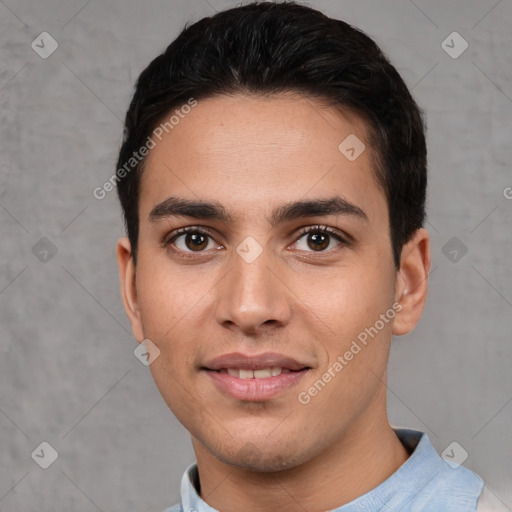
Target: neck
<point x="358" y="462"/>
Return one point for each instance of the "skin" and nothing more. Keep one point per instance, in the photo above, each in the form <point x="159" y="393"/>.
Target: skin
<point x="252" y="155"/>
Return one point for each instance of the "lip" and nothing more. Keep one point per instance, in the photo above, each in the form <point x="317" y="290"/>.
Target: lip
<point x="253" y="361"/>
<point x="254" y="390"/>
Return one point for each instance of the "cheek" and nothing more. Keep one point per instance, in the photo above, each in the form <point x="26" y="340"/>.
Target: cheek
<point x="170" y="309"/>
<point x="349" y="299"/>
<point x="170" y="299"/>
<point x="174" y="387"/>
<point x="351" y="307"/>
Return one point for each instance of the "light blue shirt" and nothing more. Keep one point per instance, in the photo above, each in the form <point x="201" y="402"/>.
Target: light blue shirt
<point x="425" y="482"/>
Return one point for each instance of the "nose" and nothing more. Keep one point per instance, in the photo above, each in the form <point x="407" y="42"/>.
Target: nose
<point x="252" y="297"/>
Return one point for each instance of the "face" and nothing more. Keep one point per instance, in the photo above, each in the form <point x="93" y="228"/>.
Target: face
<point x="288" y="291"/>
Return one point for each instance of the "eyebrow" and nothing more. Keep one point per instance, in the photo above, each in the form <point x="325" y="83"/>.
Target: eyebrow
<point x="198" y="209"/>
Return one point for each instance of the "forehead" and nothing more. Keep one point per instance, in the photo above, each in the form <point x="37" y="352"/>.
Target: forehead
<point x="248" y="152"/>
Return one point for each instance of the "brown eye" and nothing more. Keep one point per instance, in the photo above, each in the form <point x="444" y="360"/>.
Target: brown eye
<point x="196" y="241"/>
<point x="318" y="239"/>
<point x="188" y="240"/>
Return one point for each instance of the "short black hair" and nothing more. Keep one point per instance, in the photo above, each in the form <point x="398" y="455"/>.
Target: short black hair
<point x="264" y="48"/>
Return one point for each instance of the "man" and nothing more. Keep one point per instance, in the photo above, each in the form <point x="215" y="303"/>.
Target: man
<point x="273" y="183"/>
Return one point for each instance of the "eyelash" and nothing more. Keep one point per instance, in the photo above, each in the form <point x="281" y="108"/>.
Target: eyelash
<point x="318" y="229"/>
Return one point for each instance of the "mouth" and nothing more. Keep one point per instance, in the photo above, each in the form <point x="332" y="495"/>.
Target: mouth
<point x="268" y="361"/>
<point x="254" y="378"/>
<point x="263" y="373"/>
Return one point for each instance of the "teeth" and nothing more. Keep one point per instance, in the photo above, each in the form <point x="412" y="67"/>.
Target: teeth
<point x="264" y="373"/>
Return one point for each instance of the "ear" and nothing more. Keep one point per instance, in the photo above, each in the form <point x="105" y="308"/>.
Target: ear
<point x="412" y="282"/>
<point x="128" y="286"/>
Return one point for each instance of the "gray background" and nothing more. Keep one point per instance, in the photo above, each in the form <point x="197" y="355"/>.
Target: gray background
<point x="68" y="375"/>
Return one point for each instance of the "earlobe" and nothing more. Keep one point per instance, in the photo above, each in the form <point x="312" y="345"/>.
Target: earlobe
<point x="412" y="282"/>
<point x="128" y="286"/>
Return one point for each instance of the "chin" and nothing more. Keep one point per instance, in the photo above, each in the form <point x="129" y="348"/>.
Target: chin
<point x="252" y="458"/>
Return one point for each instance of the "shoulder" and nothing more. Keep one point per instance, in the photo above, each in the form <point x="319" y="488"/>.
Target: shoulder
<point x="435" y="483"/>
